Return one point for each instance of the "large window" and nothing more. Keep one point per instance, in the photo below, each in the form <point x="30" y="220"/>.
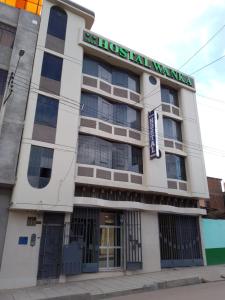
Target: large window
<point x="97" y="151"/>
<point x="40" y="166"/>
<point x="172" y="129"/>
<point x="57" y="23"/>
<point x="46" y="111"/>
<point x="96" y="106"/>
<point x="3" y="78"/>
<point x="111" y="74"/>
<point x="175" y="167"/>
<point x="52" y="67"/>
<point x="7" y="35"/>
<point x="169" y="95"/>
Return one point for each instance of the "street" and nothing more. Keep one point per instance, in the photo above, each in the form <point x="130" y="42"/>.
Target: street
<point x="206" y="291"/>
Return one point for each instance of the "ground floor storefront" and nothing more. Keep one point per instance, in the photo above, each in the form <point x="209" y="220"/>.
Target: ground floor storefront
<point x="96" y="240"/>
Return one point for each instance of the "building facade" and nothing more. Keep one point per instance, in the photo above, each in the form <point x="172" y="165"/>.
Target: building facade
<point x="215" y="204"/>
<point x="111" y="169"/>
<point x="18" y="37"/>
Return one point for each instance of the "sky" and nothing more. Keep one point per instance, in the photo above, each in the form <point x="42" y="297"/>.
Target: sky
<point x="171" y="32"/>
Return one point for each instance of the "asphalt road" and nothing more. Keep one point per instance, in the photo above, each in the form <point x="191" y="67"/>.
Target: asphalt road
<point x="205" y="291"/>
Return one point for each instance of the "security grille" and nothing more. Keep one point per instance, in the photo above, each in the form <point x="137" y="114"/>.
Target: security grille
<point x="180" y="242"/>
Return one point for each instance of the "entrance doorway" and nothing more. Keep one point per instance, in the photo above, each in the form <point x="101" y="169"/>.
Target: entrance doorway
<point x="110" y="246"/>
<point x="51" y="246"/>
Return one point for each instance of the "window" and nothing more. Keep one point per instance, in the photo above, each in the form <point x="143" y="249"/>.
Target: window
<point x="3" y="79"/>
<point x="46" y="111"/>
<point x="52" y="67"/>
<point x="172" y="129"/>
<point x="116" y="76"/>
<point x="96" y="106"/>
<point x="40" y="166"/>
<point x="7" y="35"/>
<point x="97" y="151"/>
<point x="169" y="95"/>
<point x="175" y="167"/>
<point x="57" y="22"/>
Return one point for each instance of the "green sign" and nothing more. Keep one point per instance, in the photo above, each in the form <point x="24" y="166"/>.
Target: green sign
<point x="136" y="58"/>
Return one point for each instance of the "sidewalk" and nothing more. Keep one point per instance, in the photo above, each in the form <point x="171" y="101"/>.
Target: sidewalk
<point x="115" y="286"/>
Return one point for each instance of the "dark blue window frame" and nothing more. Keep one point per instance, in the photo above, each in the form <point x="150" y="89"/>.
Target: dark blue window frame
<point x="57" y="22"/>
<point x="52" y="67"/>
<point x="46" y="111"/>
<point x="175" y="167"/>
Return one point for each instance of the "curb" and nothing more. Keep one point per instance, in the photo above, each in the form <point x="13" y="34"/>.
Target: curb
<point x="145" y="288"/>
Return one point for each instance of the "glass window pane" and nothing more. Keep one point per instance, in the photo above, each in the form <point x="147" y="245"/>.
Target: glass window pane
<point x="46" y="111"/>
<point x="40" y="166"/>
<point x="3" y="79"/>
<point x="120" y="114"/>
<point x="86" y="150"/>
<point x="89" y="105"/>
<point x="7" y="35"/>
<point x="90" y="66"/>
<point x="134" y="83"/>
<point x="172" y="129"/>
<point x="175" y="166"/>
<point x="105" y="72"/>
<point x="120" y="156"/>
<point x="133" y="118"/>
<point x="57" y="23"/>
<point x="120" y="77"/>
<point x="52" y="66"/>
<point x="169" y="95"/>
<point x="136" y="164"/>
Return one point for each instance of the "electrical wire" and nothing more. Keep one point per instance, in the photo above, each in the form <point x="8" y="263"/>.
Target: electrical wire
<point x="202" y="47"/>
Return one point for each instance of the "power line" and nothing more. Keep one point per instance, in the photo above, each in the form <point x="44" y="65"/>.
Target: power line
<point x="203" y="46"/>
<point x="214" y="61"/>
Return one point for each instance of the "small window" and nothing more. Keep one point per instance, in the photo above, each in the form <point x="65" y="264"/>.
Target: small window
<point x="40" y="166"/>
<point x="169" y="95"/>
<point x="3" y="79"/>
<point x="105" y="72"/>
<point x="133" y="83"/>
<point x="57" y="22"/>
<point x="7" y="35"/>
<point x="172" y="129"/>
<point x="46" y="111"/>
<point x="136" y="160"/>
<point x="133" y="118"/>
<point x="52" y="67"/>
<point x="175" y="167"/>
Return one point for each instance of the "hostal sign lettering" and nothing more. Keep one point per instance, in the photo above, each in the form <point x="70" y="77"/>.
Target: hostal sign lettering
<point x="136" y="58"/>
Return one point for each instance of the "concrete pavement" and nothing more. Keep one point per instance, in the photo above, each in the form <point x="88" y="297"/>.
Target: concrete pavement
<point x="206" y="291"/>
<point x="102" y="288"/>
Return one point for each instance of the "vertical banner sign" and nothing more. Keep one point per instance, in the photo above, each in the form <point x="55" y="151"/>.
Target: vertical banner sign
<point x="153" y="134"/>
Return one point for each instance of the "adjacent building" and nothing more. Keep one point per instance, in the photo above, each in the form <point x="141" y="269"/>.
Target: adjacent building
<point x="111" y="172"/>
<point x="216" y="201"/>
<point x="18" y="37"/>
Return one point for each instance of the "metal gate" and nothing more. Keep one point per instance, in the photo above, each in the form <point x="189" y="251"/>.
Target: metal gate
<point x="85" y="231"/>
<point x="133" y="240"/>
<point x="180" y="241"/>
<point x="51" y="246"/>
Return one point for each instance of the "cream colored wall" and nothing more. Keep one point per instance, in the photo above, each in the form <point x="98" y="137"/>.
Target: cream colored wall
<point x="58" y="194"/>
<point x="193" y="145"/>
<point x="20" y="262"/>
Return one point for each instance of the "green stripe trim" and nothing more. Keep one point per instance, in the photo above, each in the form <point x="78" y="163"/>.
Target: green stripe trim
<point x="215" y="256"/>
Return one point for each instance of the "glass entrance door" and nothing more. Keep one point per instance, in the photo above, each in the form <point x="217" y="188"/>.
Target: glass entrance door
<point x="110" y="242"/>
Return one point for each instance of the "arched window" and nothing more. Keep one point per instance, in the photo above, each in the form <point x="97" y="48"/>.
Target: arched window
<point x="40" y="166"/>
<point x="57" y="22"/>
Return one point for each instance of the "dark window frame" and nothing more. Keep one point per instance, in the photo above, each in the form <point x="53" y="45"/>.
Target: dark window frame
<point x="46" y="111"/>
<point x="119" y="77"/>
<point x="175" y="129"/>
<point x="169" y="95"/>
<point x="175" y="167"/>
<point x="57" y="22"/>
<point x="40" y="166"/>
<point x="52" y="69"/>
<point x="7" y="35"/>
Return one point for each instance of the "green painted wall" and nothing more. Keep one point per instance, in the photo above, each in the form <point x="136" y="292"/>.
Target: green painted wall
<point x="214" y="241"/>
<point x="215" y="256"/>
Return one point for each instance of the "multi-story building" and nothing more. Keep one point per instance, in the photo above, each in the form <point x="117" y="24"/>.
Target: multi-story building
<point x="111" y="169"/>
<point x="18" y="37"/>
<point x="216" y="201"/>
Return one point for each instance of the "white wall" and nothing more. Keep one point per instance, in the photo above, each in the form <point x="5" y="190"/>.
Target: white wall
<point x="20" y="262"/>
